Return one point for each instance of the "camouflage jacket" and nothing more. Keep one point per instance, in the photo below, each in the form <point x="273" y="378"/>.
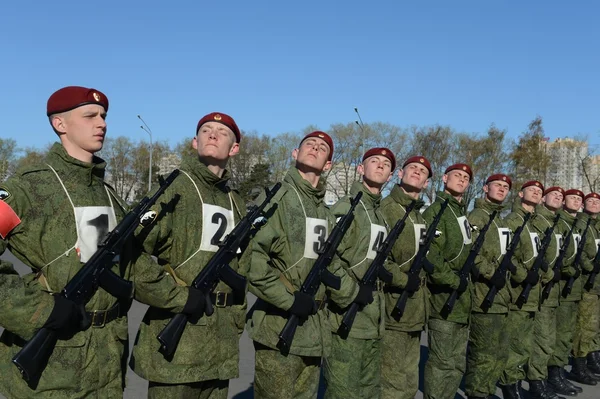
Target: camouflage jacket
<point x="448" y="253"/>
<point x="49" y="199"/>
<point x="490" y="255"/>
<point x="393" y="208"/>
<point x="544" y="218"/>
<point x="195" y="212"/>
<point x="564" y="225"/>
<point x="589" y="251"/>
<point x="283" y="253"/>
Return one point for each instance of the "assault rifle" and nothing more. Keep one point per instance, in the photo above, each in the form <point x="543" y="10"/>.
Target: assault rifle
<point x="468" y="265"/>
<point x="592" y="278"/>
<point x="577" y="263"/>
<point x="417" y="264"/>
<point x="319" y="274"/>
<point x="539" y="260"/>
<point x="33" y="357"/>
<point x="217" y="269"/>
<point x="558" y="264"/>
<point x="506" y="259"/>
<point x="376" y="269"/>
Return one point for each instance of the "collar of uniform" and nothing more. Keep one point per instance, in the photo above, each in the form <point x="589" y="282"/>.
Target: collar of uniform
<point x="454" y="203"/>
<point x="518" y="208"/>
<point x="404" y="199"/>
<point x="59" y="159"/>
<point x="192" y="164"/>
<point x="482" y="203"/>
<point x="316" y="193"/>
<point x="545" y="212"/>
<point x="369" y="199"/>
<point x="566" y="216"/>
<point x="583" y="216"/>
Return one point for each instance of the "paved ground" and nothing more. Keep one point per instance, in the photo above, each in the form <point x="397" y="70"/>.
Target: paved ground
<point x="241" y="388"/>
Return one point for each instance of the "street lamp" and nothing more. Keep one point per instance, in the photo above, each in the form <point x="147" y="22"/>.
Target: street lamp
<point x="361" y="125"/>
<point x="149" y="131"/>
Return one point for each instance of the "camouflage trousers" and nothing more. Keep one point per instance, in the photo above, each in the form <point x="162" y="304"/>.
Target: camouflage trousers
<point x="519" y="328"/>
<point x="285" y="377"/>
<point x="212" y="389"/>
<point x="544" y="342"/>
<point x="487" y="353"/>
<point x="588" y="326"/>
<point x="566" y="317"/>
<point x="353" y="368"/>
<point x="447" y="358"/>
<point x="400" y="355"/>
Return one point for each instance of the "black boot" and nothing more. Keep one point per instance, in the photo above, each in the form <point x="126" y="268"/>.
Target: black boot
<point x="536" y="390"/>
<point x="563" y="376"/>
<point x="511" y="391"/>
<point x="550" y="394"/>
<point x="580" y="373"/>
<point x="593" y="362"/>
<point x="556" y="383"/>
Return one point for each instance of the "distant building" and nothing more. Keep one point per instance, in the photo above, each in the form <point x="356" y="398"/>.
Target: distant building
<point x="339" y="181"/>
<point x="566" y="168"/>
<point x="168" y="163"/>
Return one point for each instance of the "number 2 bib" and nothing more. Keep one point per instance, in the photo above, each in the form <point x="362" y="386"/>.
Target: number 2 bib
<point x="217" y="222"/>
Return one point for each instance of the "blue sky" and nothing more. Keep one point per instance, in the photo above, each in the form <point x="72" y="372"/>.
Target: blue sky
<point x="278" y="66"/>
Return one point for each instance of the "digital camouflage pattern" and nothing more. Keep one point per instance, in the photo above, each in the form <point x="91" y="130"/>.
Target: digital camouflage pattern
<point x="400" y="358"/>
<point x="212" y="389"/>
<point x="208" y="349"/>
<point x="566" y="318"/>
<point x="544" y="343"/>
<point x="568" y="270"/>
<point x="92" y="362"/>
<point x="519" y="330"/>
<point x="543" y="219"/>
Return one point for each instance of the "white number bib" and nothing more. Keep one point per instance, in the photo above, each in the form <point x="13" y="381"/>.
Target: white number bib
<point x="597" y="244"/>
<point x="559" y="243"/>
<point x="535" y="243"/>
<point x="217" y="222"/>
<point x="420" y="232"/>
<point x="465" y="229"/>
<point x="378" y="234"/>
<point x="504" y="235"/>
<point x="576" y="240"/>
<point x="93" y="223"/>
<point x="316" y="235"/>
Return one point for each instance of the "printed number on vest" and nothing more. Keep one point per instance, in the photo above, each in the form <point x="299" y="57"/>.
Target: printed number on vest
<point x="93" y="224"/>
<point x="217" y="222"/>
<point x="559" y="241"/>
<point x="420" y="233"/>
<point x="316" y="234"/>
<point x="535" y="243"/>
<point x="465" y="229"/>
<point x="378" y="234"/>
<point x="504" y="235"/>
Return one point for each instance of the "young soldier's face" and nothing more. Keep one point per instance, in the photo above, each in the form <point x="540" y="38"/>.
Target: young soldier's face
<point x="592" y="205"/>
<point x="456" y="181"/>
<point x="376" y="169"/>
<point x="415" y="175"/>
<point x="216" y="141"/>
<point x="553" y="199"/>
<point x="82" y="128"/>
<point x="573" y="202"/>
<point x="531" y="194"/>
<point x="313" y="153"/>
<point x="496" y="191"/>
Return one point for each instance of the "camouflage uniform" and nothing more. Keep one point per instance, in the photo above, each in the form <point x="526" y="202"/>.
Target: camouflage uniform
<point x="57" y="202"/>
<point x="544" y="324"/>
<point x="208" y="349"/>
<point x="488" y="341"/>
<point x="447" y="336"/>
<point x="401" y="346"/>
<point x="520" y="320"/>
<point x="283" y="253"/>
<point x="353" y="368"/>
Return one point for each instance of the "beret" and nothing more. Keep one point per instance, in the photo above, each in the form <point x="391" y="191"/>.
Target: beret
<point x="223" y="119"/>
<point x="460" y="166"/>
<point x="574" y="191"/>
<point x="383" y="152"/>
<point x="419" y="159"/>
<point x="71" y="97"/>
<point x="554" y="188"/>
<point x="323" y="136"/>
<point x="532" y="183"/>
<point x="501" y="177"/>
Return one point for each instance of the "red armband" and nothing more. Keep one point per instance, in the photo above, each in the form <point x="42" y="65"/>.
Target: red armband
<point x="8" y="219"/>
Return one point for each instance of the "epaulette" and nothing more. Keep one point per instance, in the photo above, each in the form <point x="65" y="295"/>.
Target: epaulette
<point x="28" y="169"/>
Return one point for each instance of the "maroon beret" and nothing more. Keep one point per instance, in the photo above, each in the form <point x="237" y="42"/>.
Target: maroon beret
<point x="223" y="119"/>
<point x="419" y="159"/>
<point x="501" y="177"/>
<point x="383" y="152"/>
<point x="460" y="166"/>
<point x="574" y="191"/>
<point x="71" y="97"/>
<point x="323" y="136"/>
<point x="592" y="195"/>
<point x="554" y="188"/>
<point x="532" y="183"/>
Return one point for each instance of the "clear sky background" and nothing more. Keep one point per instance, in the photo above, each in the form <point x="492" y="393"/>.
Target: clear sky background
<point x="278" y="66"/>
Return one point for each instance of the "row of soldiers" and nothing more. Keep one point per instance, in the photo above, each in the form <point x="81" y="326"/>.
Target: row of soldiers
<point x="438" y="274"/>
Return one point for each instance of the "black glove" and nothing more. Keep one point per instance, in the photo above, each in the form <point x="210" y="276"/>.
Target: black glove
<point x="304" y="305"/>
<point x="533" y="277"/>
<point x="577" y="273"/>
<point x="365" y="295"/>
<point x="556" y="277"/>
<point x="413" y="283"/>
<point x="544" y="266"/>
<point x="498" y="280"/>
<point x="66" y="316"/>
<point x="462" y="286"/>
<point x="511" y="268"/>
<point x="196" y="303"/>
<point x="427" y="266"/>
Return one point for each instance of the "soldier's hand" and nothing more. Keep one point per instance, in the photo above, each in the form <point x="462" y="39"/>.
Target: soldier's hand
<point x="196" y="303"/>
<point x="511" y="268"/>
<point x="365" y="295"/>
<point x="544" y="266"/>
<point x="413" y="283"/>
<point x="577" y="273"/>
<point x="556" y="277"/>
<point x="462" y="286"/>
<point x="304" y="305"/>
<point x="498" y="279"/>
<point x="66" y="316"/>
<point x="428" y="266"/>
<point x="533" y="277"/>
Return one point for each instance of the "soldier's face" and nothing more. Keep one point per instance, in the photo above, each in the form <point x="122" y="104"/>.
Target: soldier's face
<point x="313" y="154"/>
<point x="592" y="205"/>
<point x="82" y="129"/>
<point x="531" y="194"/>
<point x="376" y="169"/>
<point x="553" y="199"/>
<point x="215" y="141"/>
<point x="496" y="190"/>
<point x="573" y="202"/>
<point x="456" y="181"/>
<point x="414" y="175"/>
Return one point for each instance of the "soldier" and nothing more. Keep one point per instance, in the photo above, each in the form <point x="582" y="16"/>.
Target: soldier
<point x="544" y="323"/>
<point x="448" y="334"/>
<point x="353" y="368"/>
<point x="401" y="345"/>
<point x="207" y="354"/>
<point x="53" y="216"/>
<point x="283" y="253"/>
<point x="520" y="318"/>
<point x="488" y="343"/>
